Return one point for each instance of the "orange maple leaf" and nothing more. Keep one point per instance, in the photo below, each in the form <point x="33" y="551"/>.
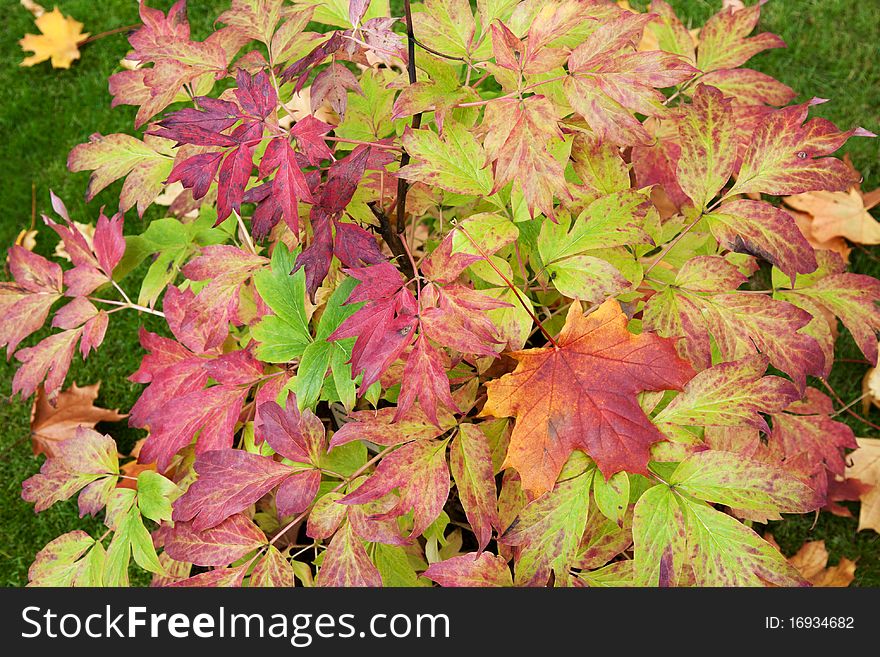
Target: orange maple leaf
<point x="582" y="394"/>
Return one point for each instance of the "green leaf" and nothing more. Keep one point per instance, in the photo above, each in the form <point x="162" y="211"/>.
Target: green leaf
<point x="56" y="564"/>
<point x="613" y="220"/>
<point x="617" y="574"/>
<point x="310" y="374"/>
<point x="394" y="566"/>
<point x="659" y="538"/>
<point x="708" y="145"/>
<point x="454" y="162"/>
<point x="731" y="395"/>
<point x="586" y="278"/>
<point x="336" y="312"/>
<point x="90" y="572"/>
<point x="447" y="26"/>
<point x="117" y="560"/>
<point x="134" y="531"/>
<point x="548" y="531"/>
<point x="682" y="541"/>
<point x="742" y="483"/>
<point x="345" y="459"/>
<point x="154" y="495"/>
<point x="612" y="496"/>
<point x="340" y="368"/>
<point x="724" y="552"/>
<point x="284" y="335"/>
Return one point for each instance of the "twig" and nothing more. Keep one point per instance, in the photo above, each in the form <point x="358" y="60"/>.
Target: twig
<point x="372" y="144"/>
<point x="392" y="239"/>
<point x="402" y="184"/>
<point x="101" y="35"/>
<point x="512" y="94"/>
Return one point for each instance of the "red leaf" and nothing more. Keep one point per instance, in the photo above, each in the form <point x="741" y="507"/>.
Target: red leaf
<point x="214" y="411"/>
<point x="332" y="85"/>
<point x="109" y="244"/>
<point x="229" y="481"/>
<point x="255" y="93"/>
<point x="384" y="326"/>
<point x="424" y="377"/>
<point x="474" y="569"/>
<point x="317" y="256"/>
<point x="49" y="360"/>
<point x="419" y="471"/>
<point x="197" y="172"/>
<point x="289" y="185"/>
<point x="309" y="134"/>
<point x="25" y="304"/>
<point x="343" y="179"/>
<point x="298" y="437"/>
<point x="470" y="460"/>
<point x="459" y="321"/>
<point x="234" y="174"/>
<point x="355" y="247"/>
<point x="302" y="68"/>
<point x="235" y="368"/>
<point x="346" y="563"/>
<point x="220" y="545"/>
<point x="297" y="492"/>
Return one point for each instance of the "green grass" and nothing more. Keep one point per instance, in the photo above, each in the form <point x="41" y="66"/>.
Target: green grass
<point x="45" y="112"/>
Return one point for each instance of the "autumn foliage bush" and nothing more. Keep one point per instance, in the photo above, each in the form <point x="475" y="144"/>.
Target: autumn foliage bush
<point x="508" y="300"/>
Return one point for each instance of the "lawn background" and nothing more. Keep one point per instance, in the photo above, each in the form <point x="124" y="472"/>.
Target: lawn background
<point x="45" y="112"/>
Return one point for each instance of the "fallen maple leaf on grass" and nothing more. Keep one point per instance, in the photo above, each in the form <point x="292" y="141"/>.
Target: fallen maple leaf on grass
<point x="74" y="407"/>
<point x="582" y="394"/>
<point x="827" y="218"/>
<point x="811" y="561"/>
<point x="59" y="40"/>
<point x="866" y="468"/>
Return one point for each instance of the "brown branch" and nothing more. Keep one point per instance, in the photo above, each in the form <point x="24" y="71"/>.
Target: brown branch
<point x="403" y="185"/>
<point x="393" y="240"/>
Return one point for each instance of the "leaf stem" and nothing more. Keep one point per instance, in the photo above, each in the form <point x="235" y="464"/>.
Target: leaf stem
<point x="245" y="234"/>
<point x="509" y="284"/>
<point x="671" y="245"/>
<point x="357" y="473"/>
<point x="373" y="144"/>
<point x="512" y="94"/>
<point x="128" y="304"/>
<point x="101" y="35"/>
<point x="846" y="407"/>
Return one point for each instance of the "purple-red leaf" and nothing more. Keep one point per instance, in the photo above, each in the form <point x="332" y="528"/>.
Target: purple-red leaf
<point x="474" y="569"/>
<point x="218" y="546"/>
<point x="419" y="471"/>
<point x="229" y="481"/>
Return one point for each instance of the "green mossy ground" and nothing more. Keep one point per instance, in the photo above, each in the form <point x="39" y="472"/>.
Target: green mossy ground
<point x="45" y="112"/>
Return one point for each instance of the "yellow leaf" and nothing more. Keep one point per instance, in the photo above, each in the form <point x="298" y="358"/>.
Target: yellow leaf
<point x="27" y="239"/>
<point x="59" y="41"/>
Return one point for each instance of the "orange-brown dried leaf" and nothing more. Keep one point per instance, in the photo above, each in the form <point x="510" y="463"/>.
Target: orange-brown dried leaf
<point x="74" y="407"/>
